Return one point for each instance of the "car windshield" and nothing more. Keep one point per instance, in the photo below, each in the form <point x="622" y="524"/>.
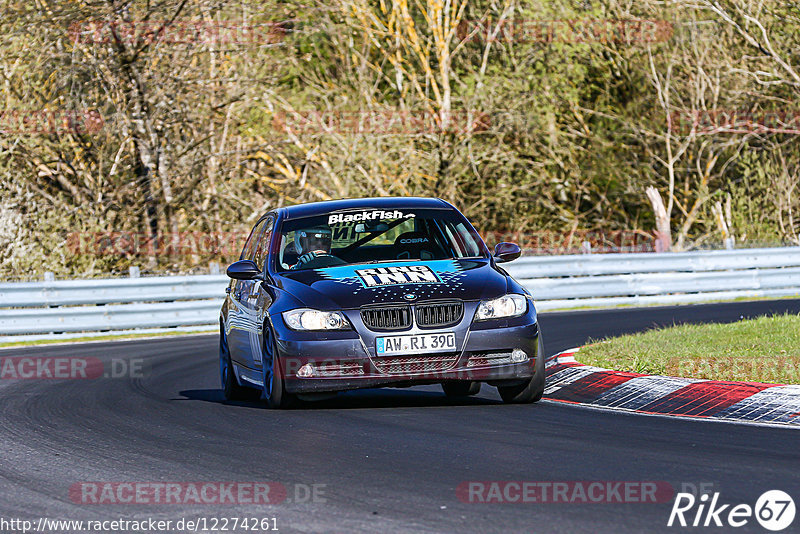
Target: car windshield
<point x="376" y="235"/>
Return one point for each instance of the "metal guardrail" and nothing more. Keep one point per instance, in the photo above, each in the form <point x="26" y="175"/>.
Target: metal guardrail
<point x="110" y="304"/>
<point x="597" y="280"/>
<point x="111" y="290"/>
<point x="556" y="282"/>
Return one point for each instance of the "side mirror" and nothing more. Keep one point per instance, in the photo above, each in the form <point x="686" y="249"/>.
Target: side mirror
<point x="244" y="270"/>
<point x="504" y="252"/>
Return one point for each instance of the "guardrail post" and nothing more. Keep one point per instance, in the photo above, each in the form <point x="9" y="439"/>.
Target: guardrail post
<point x="213" y="268"/>
<point x="50" y="277"/>
<point x="133" y="271"/>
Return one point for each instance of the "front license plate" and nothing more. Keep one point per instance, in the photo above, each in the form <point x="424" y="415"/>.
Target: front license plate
<point x="416" y="344"/>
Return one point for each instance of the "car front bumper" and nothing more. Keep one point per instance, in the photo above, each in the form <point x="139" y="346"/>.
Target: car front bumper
<point x="343" y="361"/>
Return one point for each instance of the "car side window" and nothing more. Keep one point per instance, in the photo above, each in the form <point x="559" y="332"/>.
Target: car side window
<point x="262" y="248"/>
<point x="471" y="246"/>
<point x="249" y="247"/>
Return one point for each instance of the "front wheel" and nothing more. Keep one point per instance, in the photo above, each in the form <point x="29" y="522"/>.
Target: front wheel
<point x="532" y="389"/>
<point x="275" y="394"/>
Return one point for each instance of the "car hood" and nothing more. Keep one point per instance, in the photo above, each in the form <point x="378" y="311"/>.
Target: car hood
<point x="352" y="286"/>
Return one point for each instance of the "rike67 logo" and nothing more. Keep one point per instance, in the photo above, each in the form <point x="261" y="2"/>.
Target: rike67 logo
<point x="774" y="510"/>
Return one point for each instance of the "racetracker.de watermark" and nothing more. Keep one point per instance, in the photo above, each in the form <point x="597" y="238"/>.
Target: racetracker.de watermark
<point x="204" y="493"/>
<point x="202" y="243"/>
<point x="170" y="244"/>
<point x="50" y="121"/>
<point x="70" y="368"/>
<point x="576" y="241"/>
<point x="477" y="367"/>
<point x="736" y="121"/>
<point x="564" y="492"/>
<point x="568" y="31"/>
<point x="143" y="32"/>
<point x="779" y="368"/>
<point x="389" y="122"/>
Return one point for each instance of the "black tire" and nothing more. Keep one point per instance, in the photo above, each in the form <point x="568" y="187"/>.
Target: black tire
<point x="532" y="389"/>
<point x="462" y="388"/>
<point x="274" y="393"/>
<point x="231" y="389"/>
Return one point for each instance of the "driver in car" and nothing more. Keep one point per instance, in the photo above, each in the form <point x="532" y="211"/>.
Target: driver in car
<point x="313" y="246"/>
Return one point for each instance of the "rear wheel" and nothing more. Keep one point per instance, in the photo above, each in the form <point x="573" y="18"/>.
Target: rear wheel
<point x="463" y="388"/>
<point x="231" y="389"/>
<point x="275" y="394"/>
<point x="532" y="389"/>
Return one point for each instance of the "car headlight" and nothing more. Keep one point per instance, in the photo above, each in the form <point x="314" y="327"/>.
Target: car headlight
<point x="306" y="319"/>
<point x="510" y="305"/>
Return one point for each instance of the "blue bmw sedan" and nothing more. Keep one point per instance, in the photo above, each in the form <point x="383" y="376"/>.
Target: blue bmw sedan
<point x="375" y="292"/>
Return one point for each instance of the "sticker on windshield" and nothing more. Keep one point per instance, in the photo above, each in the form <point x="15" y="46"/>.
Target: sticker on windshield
<point x="384" y="276"/>
<point x="374" y="215"/>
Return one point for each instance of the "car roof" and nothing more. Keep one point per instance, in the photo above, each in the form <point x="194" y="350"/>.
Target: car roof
<point x="321" y="208"/>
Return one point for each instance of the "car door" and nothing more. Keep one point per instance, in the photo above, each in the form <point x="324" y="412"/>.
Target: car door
<point x="256" y="297"/>
<point x="239" y="327"/>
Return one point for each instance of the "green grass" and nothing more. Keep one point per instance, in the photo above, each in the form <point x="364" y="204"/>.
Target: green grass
<point x="110" y="337"/>
<point x="766" y="349"/>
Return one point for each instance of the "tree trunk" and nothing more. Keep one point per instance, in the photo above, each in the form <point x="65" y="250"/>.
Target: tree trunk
<point x="663" y="233"/>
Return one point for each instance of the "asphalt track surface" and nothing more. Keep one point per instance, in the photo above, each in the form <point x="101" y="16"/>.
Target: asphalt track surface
<point x="390" y="460"/>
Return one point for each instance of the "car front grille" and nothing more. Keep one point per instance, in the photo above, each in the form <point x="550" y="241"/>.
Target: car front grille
<point x="387" y="317"/>
<point x="428" y="315"/>
<point x="482" y="359"/>
<point x="440" y="314"/>
<point x="338" y="368"/>
<point x="396" y="365"/>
